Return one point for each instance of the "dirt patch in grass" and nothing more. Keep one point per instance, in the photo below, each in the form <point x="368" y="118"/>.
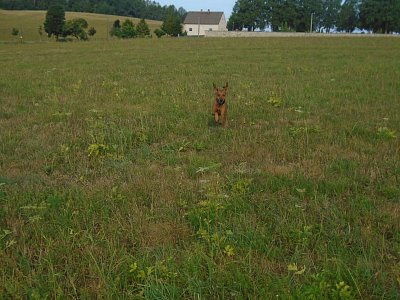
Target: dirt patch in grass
<point x="163" y="233"/>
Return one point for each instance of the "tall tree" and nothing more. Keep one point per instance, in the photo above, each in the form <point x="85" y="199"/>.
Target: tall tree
<point x="330" y="13"/>
<point x="380" y="16"/>
<point x="142" y="28"/>
<point x="250" y="14"/>
<point x="284" y="15"/>
<point x="76" y="27"/>
<point x="348" y="16"/>
<point x="308" y="10"/>
<point x="234" y="21"/>
<point x="172" y="25"/>
<point x="296" y="15"/>
<point x="55" y="20"/>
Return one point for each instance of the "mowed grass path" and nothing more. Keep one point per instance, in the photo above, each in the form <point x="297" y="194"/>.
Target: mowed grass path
<point x="114" y="182"/>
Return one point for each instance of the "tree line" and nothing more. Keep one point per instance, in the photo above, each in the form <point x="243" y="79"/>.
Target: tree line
<point x="142" y="9"/>
<point x="378" y="16"/>
<point x="56" y="25"/>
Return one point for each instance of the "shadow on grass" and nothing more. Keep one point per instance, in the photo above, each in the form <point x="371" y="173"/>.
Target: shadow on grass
<point x="213" y="124"/>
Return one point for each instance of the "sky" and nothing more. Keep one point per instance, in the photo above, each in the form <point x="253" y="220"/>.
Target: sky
<point x="196" y="5"/>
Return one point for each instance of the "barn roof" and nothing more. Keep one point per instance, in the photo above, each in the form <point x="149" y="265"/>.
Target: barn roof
<point x="203" y="17"/>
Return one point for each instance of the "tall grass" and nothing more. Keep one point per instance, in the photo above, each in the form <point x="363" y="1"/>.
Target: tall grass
<point x="115" y="183"/>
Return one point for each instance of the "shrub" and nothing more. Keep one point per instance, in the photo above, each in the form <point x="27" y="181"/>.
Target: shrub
<point x="92" y="31"/>
<point x="159" y="32"/>
<point x="76" y="27"/>
<point x="14" y="31"/>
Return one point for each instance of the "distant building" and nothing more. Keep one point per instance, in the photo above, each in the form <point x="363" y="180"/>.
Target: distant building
<point x="197" y="22"/>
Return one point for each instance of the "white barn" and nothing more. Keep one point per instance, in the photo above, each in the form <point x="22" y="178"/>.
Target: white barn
<point x="197" y="22"/>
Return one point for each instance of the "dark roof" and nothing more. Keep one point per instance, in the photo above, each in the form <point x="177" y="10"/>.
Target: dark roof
<point x="205" y="17"/>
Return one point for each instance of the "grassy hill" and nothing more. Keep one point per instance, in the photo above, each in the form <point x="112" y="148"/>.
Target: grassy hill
<point x="29" y="21"/>
<point x="115" y="183"/>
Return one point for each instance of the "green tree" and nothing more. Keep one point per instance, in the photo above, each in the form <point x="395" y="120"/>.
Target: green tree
<point x="55" y="20"/>
<point x="348" y="16"/>
<point x="142" y="28"/>
<point x="76" y="27"/>
<point x="235" y="21"/>
<point x="330" y="13"/>
<point x="116" y="28"/>
<point x="380" y="16"/>
<point x="103" y="8"/>
<point x="117" y="24"/>
<point x="306" y="10"/>
<point x="250" y="14"/>
<point x="172" y="25"/>
<point x="284" y="15"/>
<point x="128" y="30"/>
<point x="124" y="30"/>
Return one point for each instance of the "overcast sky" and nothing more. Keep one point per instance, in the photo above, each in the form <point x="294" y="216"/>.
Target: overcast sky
<point x="196" y="5"/>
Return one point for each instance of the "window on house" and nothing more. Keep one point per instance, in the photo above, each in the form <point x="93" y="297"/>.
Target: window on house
<point x="210" y="29"/>
<point x="190" y="29"/>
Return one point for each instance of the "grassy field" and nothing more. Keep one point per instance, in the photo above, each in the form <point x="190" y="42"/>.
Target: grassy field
<point x="115" y="183"/>
<point x="28" y="23"/>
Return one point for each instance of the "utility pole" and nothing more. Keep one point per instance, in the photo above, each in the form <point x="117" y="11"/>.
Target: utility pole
<point x="311" y="22"/>
<point x="198" y="26"/>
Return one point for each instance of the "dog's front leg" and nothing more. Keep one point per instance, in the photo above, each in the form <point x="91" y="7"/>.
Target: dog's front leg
<point x="223" y="117"/>
<point x="216" y="117"/>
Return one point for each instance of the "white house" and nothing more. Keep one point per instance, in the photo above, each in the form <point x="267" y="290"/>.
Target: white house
<point x="197" y="22"/>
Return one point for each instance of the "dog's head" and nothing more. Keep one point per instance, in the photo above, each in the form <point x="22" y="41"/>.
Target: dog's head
<point x="220" y="94"/>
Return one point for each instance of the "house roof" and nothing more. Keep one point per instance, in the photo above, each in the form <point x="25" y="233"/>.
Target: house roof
<point x="203" y="17"/>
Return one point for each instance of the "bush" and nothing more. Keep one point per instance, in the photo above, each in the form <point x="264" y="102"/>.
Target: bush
<point x="92" y="31"/>
<point x="159" y="32"/>
<point x="115" y="31"/>
<point x="14" y="31"/>
<point x="76" y="28"/>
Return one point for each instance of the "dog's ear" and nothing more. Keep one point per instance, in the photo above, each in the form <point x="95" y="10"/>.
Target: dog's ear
<point x="226" y="86"/>
<point x="215" y="87"/>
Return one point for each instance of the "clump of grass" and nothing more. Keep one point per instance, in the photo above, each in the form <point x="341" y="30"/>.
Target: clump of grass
<point x="303" y="130"/>
<point x="275" y="100"/>
<point x="98" y="150"/>
<point x="386" y="133"/>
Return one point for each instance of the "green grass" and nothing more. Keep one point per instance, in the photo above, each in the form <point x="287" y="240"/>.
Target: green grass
<point x="114" y="182"/>
<point x="28" y="22"/>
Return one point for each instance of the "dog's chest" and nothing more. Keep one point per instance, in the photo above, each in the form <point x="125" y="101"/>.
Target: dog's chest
<point x="219" y="108"/>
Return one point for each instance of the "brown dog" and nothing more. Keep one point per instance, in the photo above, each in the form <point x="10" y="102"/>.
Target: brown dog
<point x="220" y="107"/>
